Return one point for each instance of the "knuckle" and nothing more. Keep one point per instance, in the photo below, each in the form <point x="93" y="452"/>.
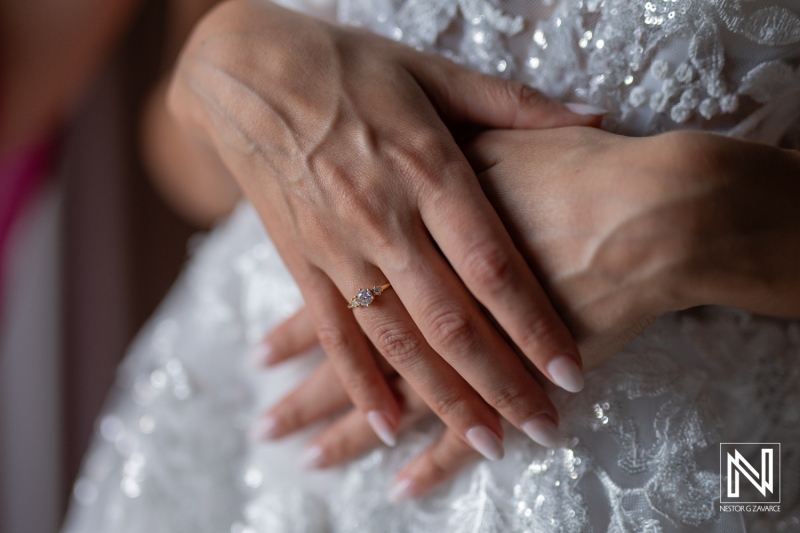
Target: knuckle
<point x="429" y="144"/>
<point x="489" y="266"/>
<point x="338" y="189"/>
<point x="509" y="398"/>
<point x="531" y="104"/>
<point x="540" y="332"/>
<point x="451" y="330"/>
<point x="333" y="339"/>
<point x="525" y="95"/>
<point x="423" y="159"/>
<point x="398" y="343"/>
<point x="335" y="185"/>
<point x="359" y="386"/>
<point x="447" y="404"/>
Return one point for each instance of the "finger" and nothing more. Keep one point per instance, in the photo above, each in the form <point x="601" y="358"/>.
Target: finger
<point x="472" y="237"/>
<point x="455" y="402"/>
<point x="440" y="462"/>
<point x="352" y="436"/>
<point x="351" y="355"/>
<point x="453" y="326"/>
<point x="319" y="396"/>
<point x="345" y="344"/>
<point x="464" y="95"/>
<point x="291" y="337"/>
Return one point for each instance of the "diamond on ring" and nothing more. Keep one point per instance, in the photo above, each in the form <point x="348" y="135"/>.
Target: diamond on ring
<point x="365" y="297"/>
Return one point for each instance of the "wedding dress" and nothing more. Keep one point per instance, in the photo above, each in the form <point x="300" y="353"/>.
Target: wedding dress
<point x="172" y="452"/>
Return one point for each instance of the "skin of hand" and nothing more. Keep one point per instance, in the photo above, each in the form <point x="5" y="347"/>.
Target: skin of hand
<point x="342" y="142"/>
<point x="620" y="230"/>
<point x="186" y="171"/>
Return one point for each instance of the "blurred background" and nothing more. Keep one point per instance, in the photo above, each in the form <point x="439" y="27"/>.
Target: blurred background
<point x="87" y="246"/>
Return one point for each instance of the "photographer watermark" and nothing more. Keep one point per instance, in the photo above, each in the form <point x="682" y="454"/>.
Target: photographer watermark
<point x="750" y="476"/>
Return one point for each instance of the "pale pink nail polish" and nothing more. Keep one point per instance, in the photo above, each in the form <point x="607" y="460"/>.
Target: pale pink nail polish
<point x="585" y="109"/>
<point x="542" y="430"/>
<point x="402" y="490"/>
<point x="485" y="442"/>
<point x="380" y="425"/>
<point x="312" y="457"/>
<point x="265" y="428"/>
<point x="566" y="373"/>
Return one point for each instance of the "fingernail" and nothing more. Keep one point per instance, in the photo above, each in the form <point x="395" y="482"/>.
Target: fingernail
<point x="401" y="491"/>
<point x="486" y="442"/>
<point x="585" y="109"/>
<point x="380" y="425"/>
<point x="543" y="430"/>
<point x="265" y="428"/>
<point x="262" y="354"/>
<point x="566" y="373"/>
<point x="312" y="457"/>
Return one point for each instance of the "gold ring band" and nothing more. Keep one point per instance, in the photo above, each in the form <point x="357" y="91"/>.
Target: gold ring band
<point x="365" y="297"/>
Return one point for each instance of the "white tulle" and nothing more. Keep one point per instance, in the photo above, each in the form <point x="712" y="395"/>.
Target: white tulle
<point x="172" y="452"/>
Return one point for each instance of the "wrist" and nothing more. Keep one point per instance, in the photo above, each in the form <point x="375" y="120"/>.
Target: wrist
<point x="744" y="247"/>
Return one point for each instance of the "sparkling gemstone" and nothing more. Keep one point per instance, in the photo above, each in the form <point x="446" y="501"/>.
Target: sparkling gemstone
<point x="377" y="289"/>
<point x="365" y="297"/>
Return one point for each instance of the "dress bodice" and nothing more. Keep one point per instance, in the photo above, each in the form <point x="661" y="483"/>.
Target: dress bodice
<point x="724" y="65"/>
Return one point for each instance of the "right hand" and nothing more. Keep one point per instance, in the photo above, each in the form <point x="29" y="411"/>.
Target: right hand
<point x="342" y="142"/>
<point x="621" y="230"/>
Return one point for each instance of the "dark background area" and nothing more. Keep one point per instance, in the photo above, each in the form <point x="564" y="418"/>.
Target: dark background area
<point x="123" y="246"/>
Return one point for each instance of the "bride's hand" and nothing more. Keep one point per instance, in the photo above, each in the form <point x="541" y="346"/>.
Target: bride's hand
<point x="341" y="141"/>
<point x="620" y="230"/>
<point x="321" y="397"/>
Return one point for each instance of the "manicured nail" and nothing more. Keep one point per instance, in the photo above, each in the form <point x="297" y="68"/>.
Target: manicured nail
<point x="585" y="109"/>
<point x="312" y="457"/>
<point x="401" y="491"/>
<point x="262" y="354"/>
<point x="486" y="442"/>
<point x="566" y="373"/>
<point x="543" y="430"/>
<point x="265" y="428"/>
<point x="380" y="425"/>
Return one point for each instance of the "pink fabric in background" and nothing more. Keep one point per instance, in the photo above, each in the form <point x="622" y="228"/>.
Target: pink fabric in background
<point x="21" y="174"/>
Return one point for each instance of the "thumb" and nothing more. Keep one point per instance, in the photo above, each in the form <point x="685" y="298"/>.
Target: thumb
<point x="462" y="95"/>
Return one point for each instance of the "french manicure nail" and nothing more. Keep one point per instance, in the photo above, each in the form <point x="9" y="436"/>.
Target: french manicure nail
<point x="486" y="442"/>
<point x="262" y="354"/>
<point x="265" y="428"/>
<point x="542" y="430"/>
<point x="380" y="425"/>
<point x="312" y="457"/>
<point x="401" y="491"/>
<point x="585" y="109"/>
<point x="566" y="373"/>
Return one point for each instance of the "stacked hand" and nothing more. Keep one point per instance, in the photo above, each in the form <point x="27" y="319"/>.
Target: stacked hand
<point x="619" y="230"/>
<point x="347" y="146"/>
<point x="343" y="143"/>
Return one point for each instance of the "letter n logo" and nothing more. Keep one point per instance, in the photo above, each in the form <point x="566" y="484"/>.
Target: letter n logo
<point x="749" y="472"/>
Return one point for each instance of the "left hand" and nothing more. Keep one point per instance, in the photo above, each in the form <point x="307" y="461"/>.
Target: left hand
<point x="343" y="142"/>
<point x="619" y="230"/>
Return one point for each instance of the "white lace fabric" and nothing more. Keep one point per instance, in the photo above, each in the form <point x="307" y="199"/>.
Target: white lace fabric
<point x="172" y="452"/>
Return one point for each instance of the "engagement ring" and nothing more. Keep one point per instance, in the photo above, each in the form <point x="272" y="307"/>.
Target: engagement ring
<point x="365" y="297"/>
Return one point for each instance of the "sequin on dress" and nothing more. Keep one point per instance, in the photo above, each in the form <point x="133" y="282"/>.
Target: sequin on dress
<point x="172" y="452"/>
